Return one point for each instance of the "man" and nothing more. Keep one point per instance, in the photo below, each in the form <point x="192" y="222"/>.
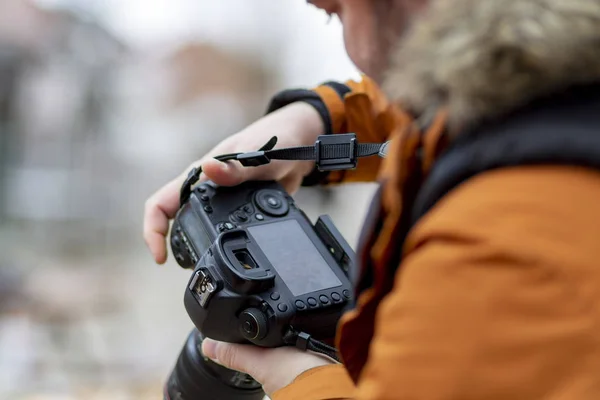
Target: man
<point x="495" y="292"/>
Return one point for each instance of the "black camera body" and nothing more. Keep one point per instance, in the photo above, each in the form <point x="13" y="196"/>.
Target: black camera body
<point x="261" y="269"/>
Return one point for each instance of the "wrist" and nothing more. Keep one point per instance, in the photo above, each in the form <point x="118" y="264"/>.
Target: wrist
<point x="307" y="125"/>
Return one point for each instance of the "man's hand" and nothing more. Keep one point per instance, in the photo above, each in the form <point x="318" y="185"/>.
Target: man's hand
<point x="273" y="368"/>
<point x="298" y="124"/>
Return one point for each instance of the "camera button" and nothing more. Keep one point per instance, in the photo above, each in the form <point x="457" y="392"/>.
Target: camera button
<point x="324" y="299"/>
<point x="240" y="216"/>
<point x="275" y="296"/>
<point x="225" y="226"/>
<point x="282" y="307"/>
<point x="202" y="189"/>
<point x="204" y="197"/>
<point x="248" y="209"/>
<point x="336" y="296"/>
<point x="346" y="294"/>
<point x="273" y="202"/>
<point x="260" y="217"/>
<point x="312" y="302"/>
<point x="208" y="209"/>
<point x="300" y="305"/>
<point x="253" y="324"/>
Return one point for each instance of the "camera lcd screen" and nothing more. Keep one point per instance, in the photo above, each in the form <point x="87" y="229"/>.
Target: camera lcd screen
<point x="294" y="256"/>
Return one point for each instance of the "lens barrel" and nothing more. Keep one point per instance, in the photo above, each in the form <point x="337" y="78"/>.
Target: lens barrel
<point x="196" y="377"/>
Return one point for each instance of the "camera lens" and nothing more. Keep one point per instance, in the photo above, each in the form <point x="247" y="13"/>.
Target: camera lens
<point x="196" y="377"/>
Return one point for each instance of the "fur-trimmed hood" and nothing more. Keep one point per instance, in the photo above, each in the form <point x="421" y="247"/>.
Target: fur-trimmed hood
<point x="484" y="58"/>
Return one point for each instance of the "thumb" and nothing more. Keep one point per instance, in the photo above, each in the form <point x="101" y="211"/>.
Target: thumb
<point x="243" y="358"/>
<point x="233" y="173"/>
<point x="273" y="368"/>
<point x="224" y="174"/>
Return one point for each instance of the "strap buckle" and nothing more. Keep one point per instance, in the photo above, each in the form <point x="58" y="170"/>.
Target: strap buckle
<point x="303" y="341"/>
<point x="336" y="152"/>
<point x="254" y="159"/>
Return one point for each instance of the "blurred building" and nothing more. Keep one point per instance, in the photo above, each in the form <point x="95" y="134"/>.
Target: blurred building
<point x="60" y="68"/>
<point x="202" y="69"/>
<point x="91" y="123"/>
<point x="81" y="111"/>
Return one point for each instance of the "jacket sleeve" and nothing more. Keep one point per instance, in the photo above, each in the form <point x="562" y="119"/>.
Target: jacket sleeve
<point x="358" y="107"/>
<point x="322" y="383"/>
<point x="497" y="297"/>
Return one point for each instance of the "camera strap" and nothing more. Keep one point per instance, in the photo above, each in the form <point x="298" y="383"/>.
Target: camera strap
<point x="304" y="342"/>
<point x="330" y="153"/>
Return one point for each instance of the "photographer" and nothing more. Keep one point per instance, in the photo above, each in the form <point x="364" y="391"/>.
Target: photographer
<point x="492" y="109"/>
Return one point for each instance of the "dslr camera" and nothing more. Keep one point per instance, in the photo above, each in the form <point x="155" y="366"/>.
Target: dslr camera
<point x="263" y="275"/>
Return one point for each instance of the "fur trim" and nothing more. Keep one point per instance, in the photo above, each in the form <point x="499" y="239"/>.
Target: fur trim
<point x="484" y="58"/>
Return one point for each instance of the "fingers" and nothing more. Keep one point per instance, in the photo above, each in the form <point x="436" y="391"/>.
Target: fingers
<point x="159" y="209"/>
<point x="163" y="205"/>
<point x="243" y="358"/>
<point x="273" y="368"/>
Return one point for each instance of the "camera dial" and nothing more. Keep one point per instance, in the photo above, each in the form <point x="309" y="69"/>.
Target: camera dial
<point x="253" y="324"/>
<point x="272" y="202"/>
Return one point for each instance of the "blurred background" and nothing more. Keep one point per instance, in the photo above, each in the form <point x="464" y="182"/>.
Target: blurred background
<point x="101" y="103"/>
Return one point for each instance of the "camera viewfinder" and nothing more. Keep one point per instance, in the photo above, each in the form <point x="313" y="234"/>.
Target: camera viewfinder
<point x="244" y="257"/>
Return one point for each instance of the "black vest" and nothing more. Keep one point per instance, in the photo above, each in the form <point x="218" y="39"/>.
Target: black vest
<point x="563" y="129"/>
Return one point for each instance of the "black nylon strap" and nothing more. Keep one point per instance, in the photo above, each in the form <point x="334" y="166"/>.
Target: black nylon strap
<point x="330" y="153"/>
<point x="316" y="176"/>
<point x="304" y="342"/>
<point x="194" y="174"/>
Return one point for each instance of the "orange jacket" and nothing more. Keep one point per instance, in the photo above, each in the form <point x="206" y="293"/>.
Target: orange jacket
<point x="498" y="294"/>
